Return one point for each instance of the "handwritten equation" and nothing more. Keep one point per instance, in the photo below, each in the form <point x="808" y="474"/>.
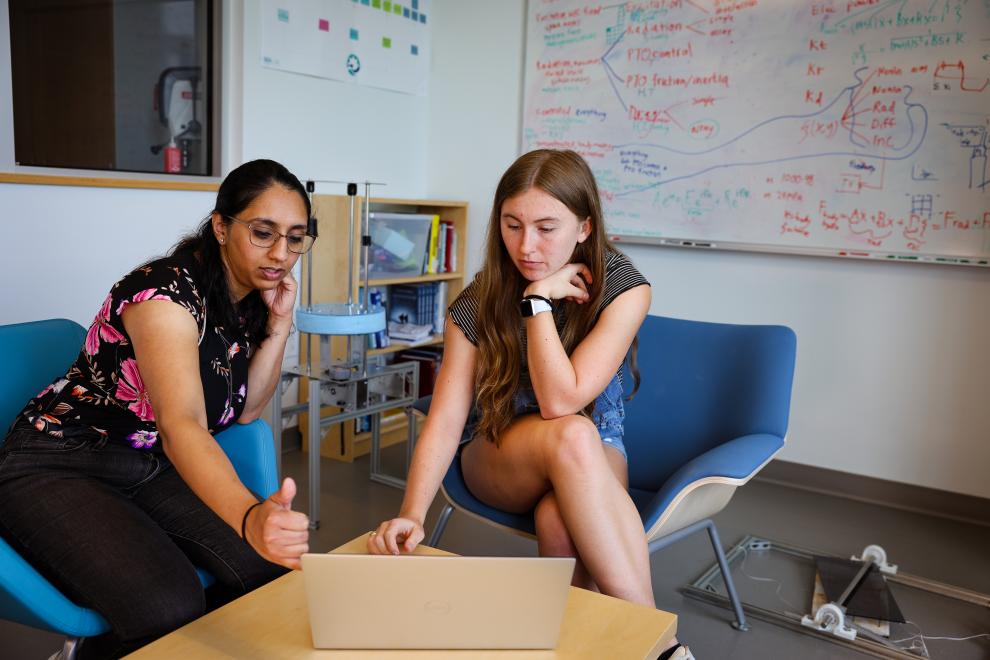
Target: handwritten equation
<point x="849" y="125"/>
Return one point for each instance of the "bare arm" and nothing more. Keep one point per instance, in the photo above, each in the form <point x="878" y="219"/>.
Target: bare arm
<point x="437" y="443"/>
<point x="564" y="385"/>
<point x="165" y="338"/>
<point x="266" y="363"/>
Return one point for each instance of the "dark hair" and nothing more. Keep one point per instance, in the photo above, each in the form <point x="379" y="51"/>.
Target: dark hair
<point x="239" y="189"/>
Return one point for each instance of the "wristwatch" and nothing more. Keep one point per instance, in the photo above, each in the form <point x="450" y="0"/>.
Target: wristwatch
<point x="533" y="305"/>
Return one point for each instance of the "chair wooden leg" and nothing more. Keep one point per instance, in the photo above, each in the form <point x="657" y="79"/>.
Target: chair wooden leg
<point x="440" y="526"/>
<point x="730" y="587"/>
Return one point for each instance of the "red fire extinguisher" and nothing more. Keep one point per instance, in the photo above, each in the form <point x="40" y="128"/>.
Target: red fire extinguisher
<point x="173" y="158"/>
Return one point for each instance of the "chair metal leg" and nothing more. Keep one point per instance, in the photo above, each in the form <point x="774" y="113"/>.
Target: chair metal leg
<point x="440" y="526"/>
<point x="730" y="587"/>
<point x="69" y="650"/>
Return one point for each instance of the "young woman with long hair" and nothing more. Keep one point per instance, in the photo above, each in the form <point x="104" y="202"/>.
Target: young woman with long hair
<point x="530" y="381"/>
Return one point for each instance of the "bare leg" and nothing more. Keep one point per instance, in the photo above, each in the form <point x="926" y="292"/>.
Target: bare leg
<point x="566" y="455"/>
<point x="553" y="540"/>
<point x="552" y="537"/>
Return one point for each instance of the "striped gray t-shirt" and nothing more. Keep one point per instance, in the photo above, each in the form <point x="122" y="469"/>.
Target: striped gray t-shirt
<point x="620" y="276"/>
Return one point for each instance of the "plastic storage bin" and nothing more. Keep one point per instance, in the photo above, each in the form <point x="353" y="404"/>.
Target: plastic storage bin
<point x="399" y="243"/>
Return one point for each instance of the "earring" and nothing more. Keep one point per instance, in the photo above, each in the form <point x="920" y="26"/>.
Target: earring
<point x="220" y="240"/>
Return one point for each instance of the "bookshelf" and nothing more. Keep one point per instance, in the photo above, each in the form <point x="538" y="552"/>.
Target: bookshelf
<point x="330" y="261"/>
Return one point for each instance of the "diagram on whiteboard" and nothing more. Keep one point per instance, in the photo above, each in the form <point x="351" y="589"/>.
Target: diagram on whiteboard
<point x="838" y="127"/>
<point x="378" y="43"/>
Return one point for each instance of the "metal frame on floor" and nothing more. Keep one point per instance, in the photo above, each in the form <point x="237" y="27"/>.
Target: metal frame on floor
<point x="706" y="588"/>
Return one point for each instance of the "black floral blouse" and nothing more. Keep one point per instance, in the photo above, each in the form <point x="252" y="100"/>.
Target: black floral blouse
<point x="103" y="394"/>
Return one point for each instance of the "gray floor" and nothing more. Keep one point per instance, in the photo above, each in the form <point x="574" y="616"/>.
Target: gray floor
<point x="944" y="550"/>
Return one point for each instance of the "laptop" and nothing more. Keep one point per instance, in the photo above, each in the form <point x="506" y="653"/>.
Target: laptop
<point x="430" y="602"/>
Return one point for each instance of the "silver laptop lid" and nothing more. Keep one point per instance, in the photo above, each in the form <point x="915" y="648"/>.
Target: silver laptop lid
<point x="423" y="602"/>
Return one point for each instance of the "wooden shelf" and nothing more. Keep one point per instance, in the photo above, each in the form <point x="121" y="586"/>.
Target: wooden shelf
<point x="401" y="346"/>
<point x="330" y="279"/>
<point x="416" y="279"/>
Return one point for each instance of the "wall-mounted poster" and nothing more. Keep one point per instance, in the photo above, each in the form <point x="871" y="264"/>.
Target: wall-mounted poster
<point x="378" y="43"/>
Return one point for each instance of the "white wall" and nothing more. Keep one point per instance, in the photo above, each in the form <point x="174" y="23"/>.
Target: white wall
<point x="323" y="129"/>
<point x="893" y="369"/>
<point x="64" y="247"/>
<point x="475" y="105"/>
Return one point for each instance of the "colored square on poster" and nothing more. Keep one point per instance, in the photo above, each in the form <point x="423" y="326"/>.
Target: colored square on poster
<point x="422" y="19"/>
<point x="387" y="6"/>
<point x="405" y="12"/>
<point x="365" y="2"/>
<point x="415" y="4"/>
<point x="386" y="42"/>
<point x="397" y="9"/>
<point x="354" y="34"/>
<point x="414" y="49"/>
<point x="415" y="15"/>
<point x="377" y="4"/>
<point x="324" y="25"/>
<point x="283" y="15"/>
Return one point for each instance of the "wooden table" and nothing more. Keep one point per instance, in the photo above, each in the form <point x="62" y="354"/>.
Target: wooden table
<point x="273" y="622"/>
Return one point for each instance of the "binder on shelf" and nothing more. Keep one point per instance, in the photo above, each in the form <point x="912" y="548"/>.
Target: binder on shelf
<point x="431" y="262"/>
<point x="429" y="366"/>
<point x="442" y="249"/>
<point x="450" y="260"/>
<point x="412" y="303"/>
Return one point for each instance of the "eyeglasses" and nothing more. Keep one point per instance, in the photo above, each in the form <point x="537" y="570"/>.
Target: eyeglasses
<point x="263" y="236"/>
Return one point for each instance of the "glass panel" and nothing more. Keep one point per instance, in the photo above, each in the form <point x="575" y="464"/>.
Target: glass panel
<point x="113" y="84"/>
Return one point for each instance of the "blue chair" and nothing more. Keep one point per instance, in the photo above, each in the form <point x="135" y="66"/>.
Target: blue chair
<point x="712" y="410"/>
<point x="34" y="355"/>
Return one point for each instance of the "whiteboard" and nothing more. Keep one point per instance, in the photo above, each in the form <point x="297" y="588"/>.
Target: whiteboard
<point x="854" y="128"/>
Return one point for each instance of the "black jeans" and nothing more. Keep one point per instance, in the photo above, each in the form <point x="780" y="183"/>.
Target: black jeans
<point x="118" y="530"/>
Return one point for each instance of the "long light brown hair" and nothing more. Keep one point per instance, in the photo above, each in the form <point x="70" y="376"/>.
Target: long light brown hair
<point x="565" y="176"/>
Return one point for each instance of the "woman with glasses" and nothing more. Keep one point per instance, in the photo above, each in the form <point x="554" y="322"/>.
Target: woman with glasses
<point x="111" y="484"/>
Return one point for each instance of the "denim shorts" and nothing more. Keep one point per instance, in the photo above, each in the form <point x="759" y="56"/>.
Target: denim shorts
<point x="608" y="414"/>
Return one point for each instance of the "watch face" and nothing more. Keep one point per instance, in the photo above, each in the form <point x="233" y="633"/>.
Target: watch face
<point x="533" y="306"/>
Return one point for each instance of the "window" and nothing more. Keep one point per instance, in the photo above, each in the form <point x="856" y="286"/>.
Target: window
<point x="114" y="84"/>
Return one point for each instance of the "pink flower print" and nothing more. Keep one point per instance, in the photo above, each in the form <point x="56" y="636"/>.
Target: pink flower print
<point x="143" y="439"/>
<point x="228" y="414"/>
<point x="242" y="392"/>
<point x="56" y="387"/>
<point x="233" y="350"/>
<point x="101" y="330"/>
<point x="131" y="388"/>
<point x="141" y="296"/>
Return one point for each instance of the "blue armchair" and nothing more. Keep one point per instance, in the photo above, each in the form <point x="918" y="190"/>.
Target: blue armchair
<point x="34" y="354"/>
<point x="711" y="412"/>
